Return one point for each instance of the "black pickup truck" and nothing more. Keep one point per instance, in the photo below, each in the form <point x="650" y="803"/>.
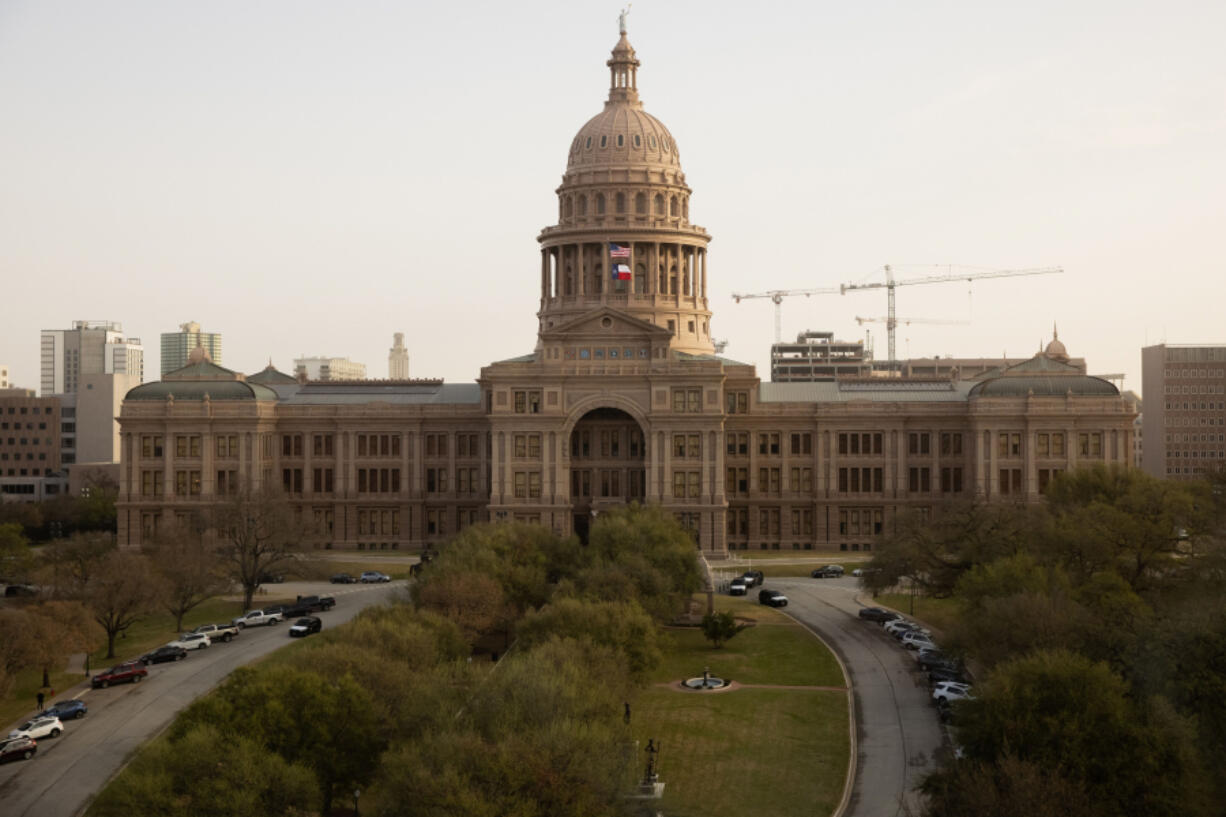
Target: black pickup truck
<point x="306" y="605"/>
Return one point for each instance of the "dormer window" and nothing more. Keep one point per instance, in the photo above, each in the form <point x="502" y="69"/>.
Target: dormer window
<point x="638" y="141"/>
<point x="621" y="140"/>
<point x="589" y="143"/>
<point x="604" y="141"/>
<point x="651" y="141"/>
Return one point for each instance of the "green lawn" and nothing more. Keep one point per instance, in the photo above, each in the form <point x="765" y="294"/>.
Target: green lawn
<point x="783" y="750"/>
<point x="939" y="614"/>
<point x="774" y="651"/>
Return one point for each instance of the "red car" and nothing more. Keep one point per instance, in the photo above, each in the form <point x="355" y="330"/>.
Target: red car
<point x="17" y="747"/>
<point x="132" y="671"/>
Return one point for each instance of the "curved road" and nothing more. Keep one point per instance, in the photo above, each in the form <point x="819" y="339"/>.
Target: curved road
<point x="897" y="730"/>
<point x="67" y="771"/>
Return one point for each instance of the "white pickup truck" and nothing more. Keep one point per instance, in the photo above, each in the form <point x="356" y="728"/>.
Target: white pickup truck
<point x="256" y="618"/>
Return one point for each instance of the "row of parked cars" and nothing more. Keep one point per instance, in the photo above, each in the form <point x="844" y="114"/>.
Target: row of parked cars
<point x="22" y="742"/>
<point x="753" y="578"/>
<point x="947" y="677"/>
<point x="368" y="577"/>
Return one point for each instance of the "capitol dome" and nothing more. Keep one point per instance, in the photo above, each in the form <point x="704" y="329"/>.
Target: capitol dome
<point x="623" y="133"/>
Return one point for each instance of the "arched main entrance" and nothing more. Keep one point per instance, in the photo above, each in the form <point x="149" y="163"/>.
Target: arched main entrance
<point x="607" y="465"/>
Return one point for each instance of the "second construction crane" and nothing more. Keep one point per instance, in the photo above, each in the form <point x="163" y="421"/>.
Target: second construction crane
<point x="889" y="284"/>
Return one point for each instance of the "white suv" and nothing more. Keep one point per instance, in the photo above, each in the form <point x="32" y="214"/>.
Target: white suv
<point x="191" y="641"/>
<point x="947" y="691"/>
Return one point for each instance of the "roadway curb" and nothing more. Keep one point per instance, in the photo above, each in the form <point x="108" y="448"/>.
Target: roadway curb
<point x="853" y="746"/>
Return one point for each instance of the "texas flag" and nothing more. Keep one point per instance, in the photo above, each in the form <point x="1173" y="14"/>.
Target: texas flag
<point x="621" y="272"/>
<point x="618" y="251"/>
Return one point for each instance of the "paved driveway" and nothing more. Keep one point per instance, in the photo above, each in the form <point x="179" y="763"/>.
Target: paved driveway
<point x="67" y="771"/>
<point x="897" y="729"/>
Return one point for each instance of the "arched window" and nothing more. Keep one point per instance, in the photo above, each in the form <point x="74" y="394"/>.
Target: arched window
<point x="640" y="279"/>
<point x="685" y="207"/>
<point x="672" y="280"/>
<point x="621" y="202"/>
<point x="600" y="204"/>
<point x="659" y="204"/>
<point x="640" y="203"/>
<point x="621" y="140"/>
<point x="569" y="281"/>
<point x="583" y="205"/>
<point x="570" y="206"/>
<point x="672" y="206"/>
<point x="604" y="140"/>
<point x="638" y="141"/>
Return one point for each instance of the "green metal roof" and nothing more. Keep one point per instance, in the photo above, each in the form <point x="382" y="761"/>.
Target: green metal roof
<point x="1039" y="385"/>
<point x="196" y="390"/>
<point x="271" y="376"/>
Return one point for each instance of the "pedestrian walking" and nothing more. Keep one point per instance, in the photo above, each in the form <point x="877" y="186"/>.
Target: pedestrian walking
<point x="40" y="699"/>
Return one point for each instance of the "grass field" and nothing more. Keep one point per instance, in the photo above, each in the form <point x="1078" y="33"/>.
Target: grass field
<point x="783" y="750"/>
<point x="938" y="614"/>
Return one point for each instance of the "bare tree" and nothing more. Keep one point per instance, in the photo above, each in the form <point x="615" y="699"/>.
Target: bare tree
<point x="71" y="562"/>
<point x="256" y="533"/>
<point x="120" y="591"/>
<point x="188" y="570"/>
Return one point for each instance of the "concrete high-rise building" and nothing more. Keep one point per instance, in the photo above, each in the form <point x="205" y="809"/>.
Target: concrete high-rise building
<point x="1184" y="423"/>
<point x="176" y="346"/>
<point x="329" y="368"/>
<point x="398" y="359"/>
<point x="89" y="347"/>
<point x="29" y="446"/>
<point x="4" y="377"/>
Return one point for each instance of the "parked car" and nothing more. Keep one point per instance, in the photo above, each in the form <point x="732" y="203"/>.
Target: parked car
<point x="305" y="626"/>
<point x="753" y="578"/>
<point x="938" y="674"/>
<point x="170" y="652"/>
<point x="374" y="577"/>
<point x="272" y="578"/>
<point x="40" y="726"/>
<point x="18" y="747"/>
<point x="899" y="624"/>
<point x="309" y="604"/>
<point x="71" y="709"/>
<point x="929" y="659"/>
<point x="191" y="641"/>
<point x="878" y="614"/>
<point x="738" y="587"/>
<point x="13" y="590"/>
<point x="218" y="632"/>
<point x="915" y="640"/>
<point x="257" y="618"/>
<point x="828" y="572"/>
<point x="859" y="571"/>
<point x="773" y="598"/>
<point x="127" y="672"/>
<point x="343" y="578"/>
<point x="950" y="691"/>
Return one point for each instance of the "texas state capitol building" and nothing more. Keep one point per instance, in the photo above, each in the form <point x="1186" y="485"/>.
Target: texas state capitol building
<point x="623" y="399"/>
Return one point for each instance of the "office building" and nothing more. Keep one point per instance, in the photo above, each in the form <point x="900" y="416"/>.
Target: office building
<point x="89" y="347"/>
<point x="328" y="368"/>
<point x="1184" y="423"/>
<point x="177" y="345"/>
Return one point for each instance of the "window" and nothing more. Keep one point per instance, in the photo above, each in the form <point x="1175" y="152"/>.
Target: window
<point x="1009" y="444"/>
<point x="801" y="481"/>
<point x="291" y="445"/>
<point x="1010" y="480"/>
<point x="227" y="483"/>
<point x="150" y="446"/>
<point x="736" y="402"/>
<point x="861" y="480"/>
<point x="738" y="443"/>
<point x="687" y="401"/>
<point x="951" y="443"/>
<point x="528" y="402"/>
<point x="227" y="446"/>
<point x="951" y="480"/>
<point x="151" y="483"/>
<point x="768" y="444"/>
<point x="1090" y="444"/>
<point x="737" y="481"/>
<point x="802" y="522"/>
<point x="802" y="443"/>
<point x="918" y="480"/>
<point x="860" y="443"/>
<point x="918" y="442"/>
<point x="769" y="480"/>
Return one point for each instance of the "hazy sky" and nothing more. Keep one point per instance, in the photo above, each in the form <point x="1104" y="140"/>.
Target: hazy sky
<point x="308" y="177"/>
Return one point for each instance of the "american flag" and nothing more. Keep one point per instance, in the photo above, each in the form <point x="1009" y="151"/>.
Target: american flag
<point x="618" y="251"/>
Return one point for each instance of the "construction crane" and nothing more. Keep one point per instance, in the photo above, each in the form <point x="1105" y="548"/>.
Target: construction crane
<point x="908" y="321"/>
<point x="890" y="283"/>
<point x="777" y="296"/>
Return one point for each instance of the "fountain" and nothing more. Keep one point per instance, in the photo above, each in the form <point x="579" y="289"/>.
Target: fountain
<point x="706" y="683"/>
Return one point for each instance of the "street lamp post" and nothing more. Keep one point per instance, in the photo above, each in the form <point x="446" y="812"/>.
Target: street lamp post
<point x="356" y="794"/>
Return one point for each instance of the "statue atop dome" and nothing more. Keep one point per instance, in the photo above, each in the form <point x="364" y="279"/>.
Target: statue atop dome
<point x="621" y="19"/>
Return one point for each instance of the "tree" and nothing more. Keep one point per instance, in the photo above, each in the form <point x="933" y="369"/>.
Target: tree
<point x="210" y="773"/>
<point x="71" y="562"/>
<point x="720" y="627"/>
<point x="41" y="635"/>
<point x="1064" y="713"/>
<point x="474" y="601"/>
<point x="187" y="569"/>
<point x="623" y="626"/>
<point x="324" y="724"/>
<point x="257" y="532"/>
<point x="119" y="592"/>
<point x="1008" y="788"/>
<point x="16" y="560"/>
